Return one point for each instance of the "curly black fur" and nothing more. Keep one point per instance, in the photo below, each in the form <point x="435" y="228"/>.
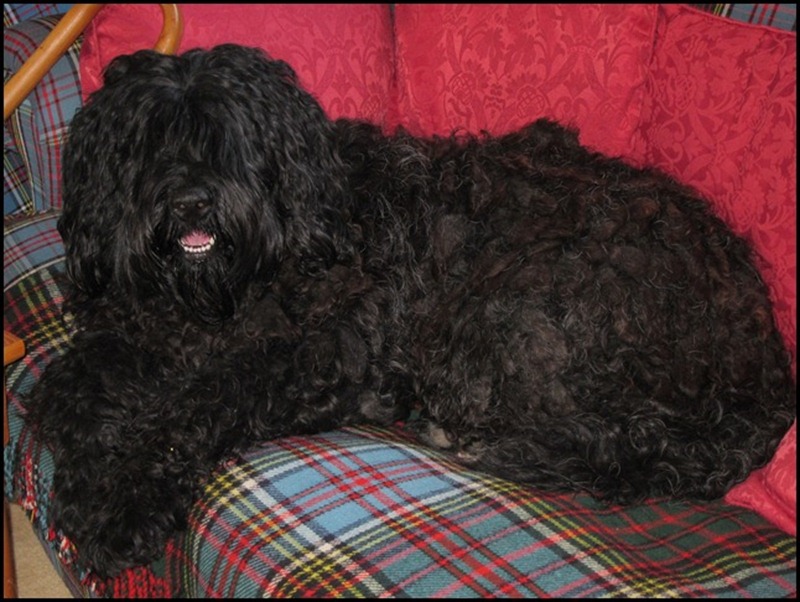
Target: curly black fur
<point x="243" y="269"/>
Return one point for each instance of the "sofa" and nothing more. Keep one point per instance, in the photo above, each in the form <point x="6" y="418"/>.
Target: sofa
<point x="368" y="511"/>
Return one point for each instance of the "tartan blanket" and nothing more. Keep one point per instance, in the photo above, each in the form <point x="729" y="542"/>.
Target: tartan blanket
<point x="366" y="512"/>
<point x="369" y="512"/>
<point x="34" y="134"/>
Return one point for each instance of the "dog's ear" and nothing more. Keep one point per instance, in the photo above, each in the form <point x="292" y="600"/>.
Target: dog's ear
<point x="102" y="225"/>
<point x="302" y="166"/>
<point x="89" y="217"/>
<point x="101" y="160"/>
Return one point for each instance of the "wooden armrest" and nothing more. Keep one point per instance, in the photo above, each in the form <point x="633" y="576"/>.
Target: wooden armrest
<point x="61" y="38"/>
<point x="13" y="349"/>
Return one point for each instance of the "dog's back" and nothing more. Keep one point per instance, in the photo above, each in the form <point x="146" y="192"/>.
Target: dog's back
<point x="570" y="320"/>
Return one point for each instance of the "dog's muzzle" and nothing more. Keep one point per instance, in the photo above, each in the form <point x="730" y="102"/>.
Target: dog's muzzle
<point x="191" y="208"/>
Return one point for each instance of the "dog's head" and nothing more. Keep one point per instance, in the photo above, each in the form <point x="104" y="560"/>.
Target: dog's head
<point x="195" y="175"/>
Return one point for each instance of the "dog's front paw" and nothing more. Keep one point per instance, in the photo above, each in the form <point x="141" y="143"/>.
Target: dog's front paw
<point x="433" y="435"/>
<point x="117" y="525"/>
<point x="135" y="538"/>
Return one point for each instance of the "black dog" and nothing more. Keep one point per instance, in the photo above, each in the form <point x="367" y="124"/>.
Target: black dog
<point x="242" y="268"/>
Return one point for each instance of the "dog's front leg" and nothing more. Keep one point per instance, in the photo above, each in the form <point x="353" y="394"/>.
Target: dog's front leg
<point x="121" y="484"/>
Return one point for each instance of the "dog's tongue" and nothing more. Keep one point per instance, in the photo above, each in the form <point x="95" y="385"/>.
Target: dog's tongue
<point x="196" y="238"/>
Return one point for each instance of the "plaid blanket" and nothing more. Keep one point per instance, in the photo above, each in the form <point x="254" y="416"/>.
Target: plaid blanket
<point x="781" y="16"/>
<point x="366" y="512"/>
<point x="369" y="512"/>
<point x="33" y="135"/>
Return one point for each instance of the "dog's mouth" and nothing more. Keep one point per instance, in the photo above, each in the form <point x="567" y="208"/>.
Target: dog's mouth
<point x="197" y="244"/>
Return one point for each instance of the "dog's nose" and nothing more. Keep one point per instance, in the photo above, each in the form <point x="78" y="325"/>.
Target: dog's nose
<point x="191" y="208"/>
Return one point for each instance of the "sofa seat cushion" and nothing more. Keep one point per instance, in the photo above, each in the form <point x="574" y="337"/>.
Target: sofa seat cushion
<point x="369" y="512"/>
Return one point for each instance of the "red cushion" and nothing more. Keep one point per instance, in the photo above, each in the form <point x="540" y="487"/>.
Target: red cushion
<point x="497" y="68"/>
<point x="772" y="490"/>
<point x="341" y="53"/>
<point x="720" y="114"/>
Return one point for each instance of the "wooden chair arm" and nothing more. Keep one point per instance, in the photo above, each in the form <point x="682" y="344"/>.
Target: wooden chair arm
<point x="13" y="349"/>
<point x="63" y="35"/>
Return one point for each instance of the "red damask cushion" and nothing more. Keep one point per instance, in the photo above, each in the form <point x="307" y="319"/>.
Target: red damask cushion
<point x="342" y="53"/>
<point x="720" y="114"/>
<point x="498" y="67"/>
<point x="772" y="490"/>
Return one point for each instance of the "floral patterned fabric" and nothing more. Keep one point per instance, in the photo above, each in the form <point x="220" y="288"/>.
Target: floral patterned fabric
<point x="342" y="55"/>
<point x="721" y="115"/>
<point x="496" y="68"/>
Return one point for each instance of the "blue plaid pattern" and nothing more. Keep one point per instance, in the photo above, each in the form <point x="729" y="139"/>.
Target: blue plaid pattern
<point x="33" y="136"/>
<point x="780" y="16"/>
<point x="29" y="244"/>
<point x="16" y="13"/>
<point x="367" y="512"/>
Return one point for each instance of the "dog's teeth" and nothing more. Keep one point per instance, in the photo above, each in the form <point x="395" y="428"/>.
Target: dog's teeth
<point x="199" y="248"/>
